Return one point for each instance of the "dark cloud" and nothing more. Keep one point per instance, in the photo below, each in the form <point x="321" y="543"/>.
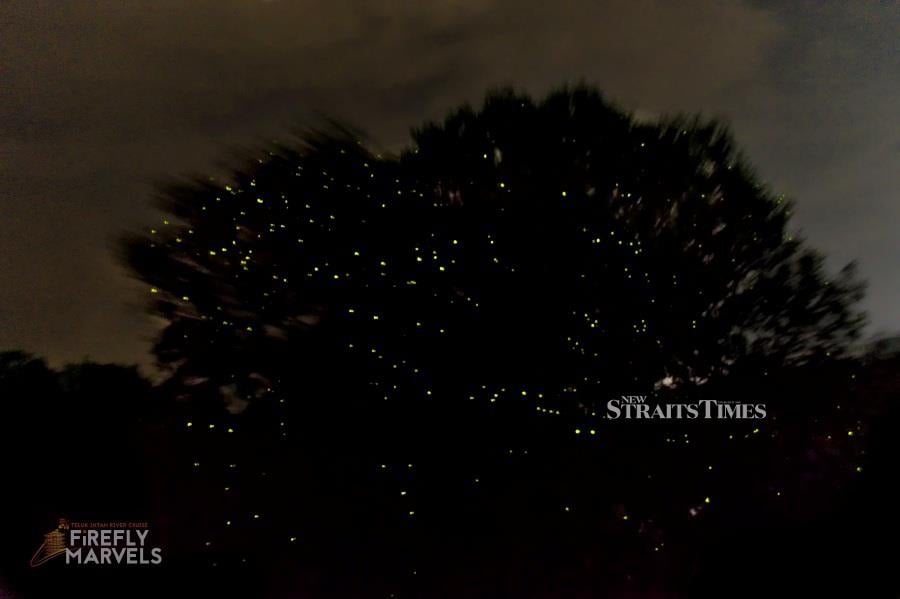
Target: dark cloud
<point x="99" y="99"/>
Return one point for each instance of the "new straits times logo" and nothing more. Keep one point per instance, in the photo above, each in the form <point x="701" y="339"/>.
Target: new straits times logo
<point x="635" y="407"/>
<point x="99" y="543"/>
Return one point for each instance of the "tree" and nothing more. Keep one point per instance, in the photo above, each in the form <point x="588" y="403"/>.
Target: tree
<point x="641" y="250"/>
<point x="509" y="272"/>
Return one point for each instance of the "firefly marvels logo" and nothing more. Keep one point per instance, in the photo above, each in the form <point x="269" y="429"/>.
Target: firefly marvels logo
<point x="99" y="543"/>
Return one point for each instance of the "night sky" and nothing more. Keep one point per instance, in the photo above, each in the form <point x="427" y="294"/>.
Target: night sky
<point x="101" y="100"/>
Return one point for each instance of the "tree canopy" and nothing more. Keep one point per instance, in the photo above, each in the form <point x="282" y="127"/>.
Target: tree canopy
<point x="560" y="243"/>
<point x="382" y="338"/>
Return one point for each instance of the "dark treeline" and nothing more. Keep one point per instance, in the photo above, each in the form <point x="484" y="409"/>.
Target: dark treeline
<point x="98" y="442"/>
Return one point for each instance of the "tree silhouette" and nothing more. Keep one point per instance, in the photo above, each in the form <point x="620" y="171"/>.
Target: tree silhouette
<point x="562" y="238"/>
<point x="442" y="328"/>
